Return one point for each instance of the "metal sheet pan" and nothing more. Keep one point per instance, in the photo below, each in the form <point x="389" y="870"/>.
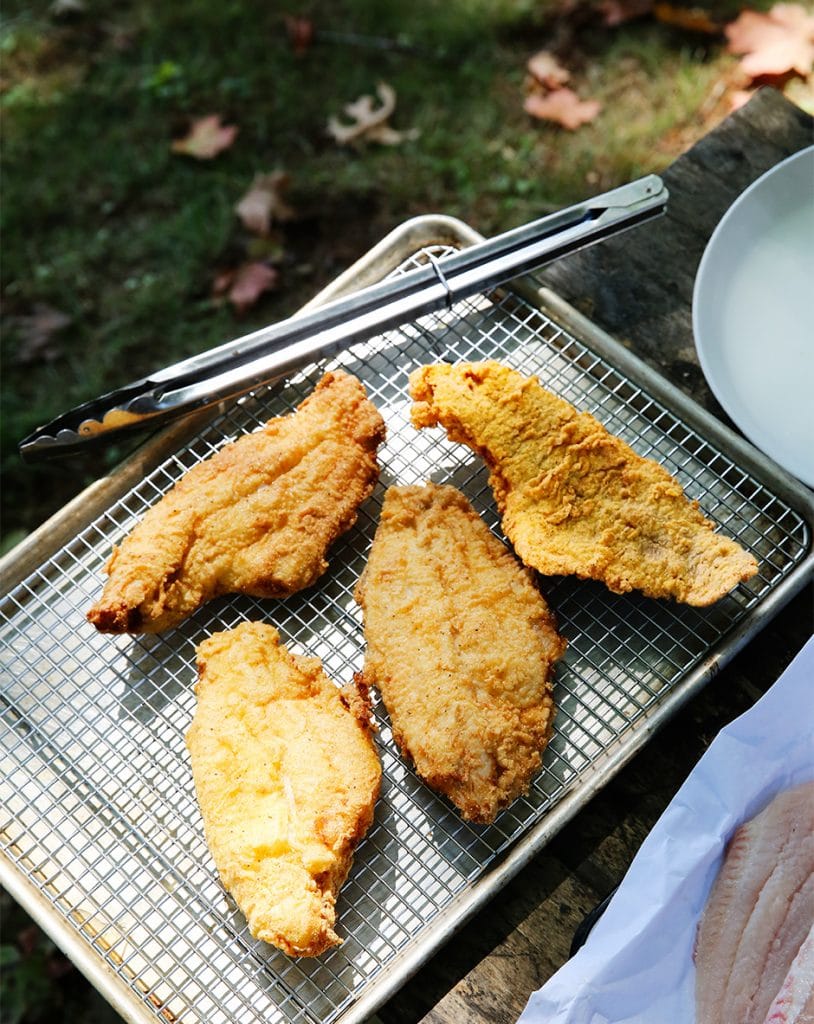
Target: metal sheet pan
<point x="101" y="835"/>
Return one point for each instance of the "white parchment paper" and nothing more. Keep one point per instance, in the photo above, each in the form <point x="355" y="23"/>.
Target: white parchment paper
<point x="636" y="967"/>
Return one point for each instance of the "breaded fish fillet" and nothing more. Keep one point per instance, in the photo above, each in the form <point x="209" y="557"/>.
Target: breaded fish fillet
<point x="461" y="645"/>
<point x="256" y="518"/>
<point x="573" y="498"/>
<point x="286" y="775"/>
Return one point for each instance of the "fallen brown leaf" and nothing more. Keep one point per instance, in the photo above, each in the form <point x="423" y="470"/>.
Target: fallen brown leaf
<point x="617" y="12"/>
<point x="547" y="70"/>
<point x="368" y="122"/>
<point x="244" y="285"/>
<point x="562" y="106"/>
<point x="37" y="334"/>
<point x="776" y="43"/>
<point x="264" y="204"/>
<point x="207" y="137"/>
<point x="300" y="33"/>
<point x="690" y="19"/>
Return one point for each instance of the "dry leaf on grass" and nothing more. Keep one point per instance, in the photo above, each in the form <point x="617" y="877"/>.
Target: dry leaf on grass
<point x="617" y="12"/>
<point x="690" y="19"/>
<point x="244" y="285"/>
<point x="300" y="32"/>
<point x="776" y="43"/>
<point x="547" y="70"/>
<point x="562" y="106"/>
<point x="37" y="333"/>
<point x="549" y="99"/>
<point x="368" y="122"/>
<point x="264" y="204"/>
<point x="206" y="138"/>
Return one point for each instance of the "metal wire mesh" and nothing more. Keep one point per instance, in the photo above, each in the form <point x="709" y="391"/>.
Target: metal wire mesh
<point x="98" y="804"/>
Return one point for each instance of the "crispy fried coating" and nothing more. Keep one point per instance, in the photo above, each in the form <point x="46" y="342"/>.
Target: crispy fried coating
<point x="286" y="775"/>
<point x="256" y="518"/>
<point x="573" y="498"/>
<point x="461" y="645"/>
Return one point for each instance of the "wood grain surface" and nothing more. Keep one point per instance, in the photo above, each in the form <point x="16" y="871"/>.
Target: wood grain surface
<point x="638" y="287"/>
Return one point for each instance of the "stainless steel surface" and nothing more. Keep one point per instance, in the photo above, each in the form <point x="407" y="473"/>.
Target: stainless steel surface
<point x="100" y="821"/>
<point x="270" y="353"/>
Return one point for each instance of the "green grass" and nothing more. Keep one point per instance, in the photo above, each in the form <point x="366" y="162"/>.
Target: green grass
<point x="103" y="222"/>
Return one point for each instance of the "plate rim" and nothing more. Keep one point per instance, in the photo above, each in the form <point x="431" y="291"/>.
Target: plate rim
<point x="723" y="393"/>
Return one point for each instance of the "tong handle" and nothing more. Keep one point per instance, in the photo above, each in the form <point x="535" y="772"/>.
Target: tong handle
<point x="236" y="367"/>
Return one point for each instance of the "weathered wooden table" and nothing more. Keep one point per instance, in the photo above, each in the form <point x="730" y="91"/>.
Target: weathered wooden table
<point x="638" y="287"/>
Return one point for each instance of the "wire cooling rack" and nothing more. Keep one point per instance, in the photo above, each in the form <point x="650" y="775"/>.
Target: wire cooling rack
<point x="99" y="811"/>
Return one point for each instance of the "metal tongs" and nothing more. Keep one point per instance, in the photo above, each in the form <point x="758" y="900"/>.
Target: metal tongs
<point x="272" y="352"/>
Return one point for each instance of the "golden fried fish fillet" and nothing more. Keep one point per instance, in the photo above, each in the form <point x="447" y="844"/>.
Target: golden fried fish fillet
<point x="461" y="645"/>
<point x="573" y="498"/>
<point x="256" y="518"/>
<point x="286" y="775"/>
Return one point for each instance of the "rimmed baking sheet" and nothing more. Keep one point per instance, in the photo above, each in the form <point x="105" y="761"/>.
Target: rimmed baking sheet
<point x="100" y="817"/>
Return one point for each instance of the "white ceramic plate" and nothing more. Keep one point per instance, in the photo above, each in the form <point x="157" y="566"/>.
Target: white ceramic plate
<point x="753" y="313"/>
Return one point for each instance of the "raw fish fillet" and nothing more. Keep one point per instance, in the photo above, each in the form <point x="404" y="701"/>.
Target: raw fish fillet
<point x="795" y="1000"/>
<point x="256" y="518"/>
<point x="796" y="926"/>
<point x="286" y="775"/>
<point x="574" y="499"/>
<point x="461" y="645"/>
<point x="758" y="913"/>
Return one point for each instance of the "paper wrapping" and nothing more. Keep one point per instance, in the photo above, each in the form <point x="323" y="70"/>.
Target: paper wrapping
<point x="636" y="966"/>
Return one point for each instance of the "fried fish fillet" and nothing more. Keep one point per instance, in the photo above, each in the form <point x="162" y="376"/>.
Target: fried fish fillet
<point x="286" y="775"/>
<point x="256" y="518"/>
<point x="461" y="646"/>
<point x="573" y="498"/>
